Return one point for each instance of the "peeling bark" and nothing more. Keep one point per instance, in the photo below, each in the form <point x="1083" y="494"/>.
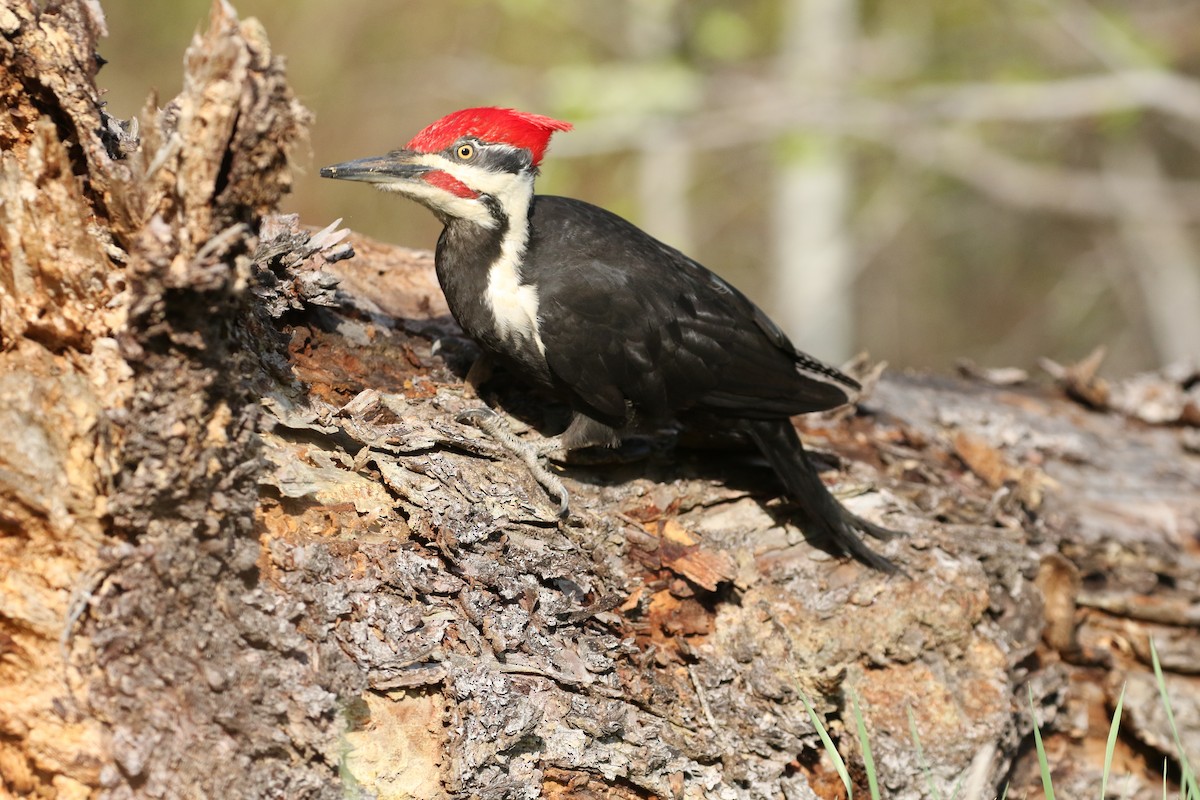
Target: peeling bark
<point x="248" y="551"/>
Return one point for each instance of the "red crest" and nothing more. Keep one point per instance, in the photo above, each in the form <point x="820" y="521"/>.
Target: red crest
<point x="530" y="132"/>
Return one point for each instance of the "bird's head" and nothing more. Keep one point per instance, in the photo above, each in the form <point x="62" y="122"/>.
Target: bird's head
<point x="477" y="164"/>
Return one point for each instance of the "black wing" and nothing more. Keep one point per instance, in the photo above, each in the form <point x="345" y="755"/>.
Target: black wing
<point x="629" y="322"/>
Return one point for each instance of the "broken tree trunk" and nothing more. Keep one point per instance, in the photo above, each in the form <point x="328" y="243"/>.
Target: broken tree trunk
<point x="246" y="550"/>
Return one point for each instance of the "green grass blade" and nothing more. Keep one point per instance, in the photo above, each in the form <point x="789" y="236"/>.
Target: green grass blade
<point x="1112" y="743"/>
<point x="912" y="729"/>
<point x="957" y="787"/>
<point x="838" y="764"/>
<point x="1187" y="780"/>
<point x="865" y="744"/>
<point x="1047" y="784"/>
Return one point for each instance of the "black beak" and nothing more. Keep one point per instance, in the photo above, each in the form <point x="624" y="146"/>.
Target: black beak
<point x="395" y="167"/>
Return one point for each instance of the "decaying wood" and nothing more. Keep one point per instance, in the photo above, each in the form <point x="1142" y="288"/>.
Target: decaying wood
<point x="248" y="551"/>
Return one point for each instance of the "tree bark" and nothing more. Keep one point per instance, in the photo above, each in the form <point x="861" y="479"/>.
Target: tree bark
<point x="248" y="551"/>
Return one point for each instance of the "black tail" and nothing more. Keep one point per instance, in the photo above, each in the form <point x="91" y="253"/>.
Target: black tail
<point x="823" y="517"/>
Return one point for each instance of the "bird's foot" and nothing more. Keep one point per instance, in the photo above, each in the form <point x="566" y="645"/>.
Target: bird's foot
<point x="870" y="528"/>
<point x="532" y="455"/>
<point x="853" y="528"/>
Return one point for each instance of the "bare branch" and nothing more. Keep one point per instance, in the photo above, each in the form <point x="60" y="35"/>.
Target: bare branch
<point x="955" y="152"/>
<point x="1024" y="184"/>
<point x="1162" y="255"/>
<point x="1068" y="98"/>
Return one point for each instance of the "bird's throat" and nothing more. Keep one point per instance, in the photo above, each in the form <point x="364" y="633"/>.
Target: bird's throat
<point x="480" y="273"/>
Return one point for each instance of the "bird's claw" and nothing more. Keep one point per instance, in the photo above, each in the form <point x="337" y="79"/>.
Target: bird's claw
<point x="495" y="426"/>
<point x="853" y="528"/>
<point x="480" y="418"/>
<point x="870" y="528"/>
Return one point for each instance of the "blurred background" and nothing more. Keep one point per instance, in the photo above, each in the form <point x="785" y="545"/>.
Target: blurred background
<point x="928" y="181"/>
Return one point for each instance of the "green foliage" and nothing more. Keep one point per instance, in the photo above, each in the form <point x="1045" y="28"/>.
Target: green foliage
<point x="1047" y="783"/>
<point x="629" y="89"/>
<point x="830" y="748"/>
<point x="1188" y="787"/>
<point x="1121" y="37"/>
<point x="1112" y="742"/>
<point x="521" y="8"/>
<point x="723" y="34"/>
<point x="916" y="738"/>
<point x="355" y="715"/>
<point x="929" y="784"/>
<point x="864" y="744"/>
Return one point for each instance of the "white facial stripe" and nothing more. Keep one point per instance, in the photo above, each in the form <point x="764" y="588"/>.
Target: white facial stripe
<point x="484" y="181"/>
<point x="463" y="207"/>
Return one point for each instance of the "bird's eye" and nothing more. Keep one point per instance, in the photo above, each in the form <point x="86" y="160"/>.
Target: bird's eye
<point x="465" y="152"/>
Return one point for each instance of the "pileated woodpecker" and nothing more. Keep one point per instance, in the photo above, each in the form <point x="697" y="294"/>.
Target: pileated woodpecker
<point x="629" y="331"/>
